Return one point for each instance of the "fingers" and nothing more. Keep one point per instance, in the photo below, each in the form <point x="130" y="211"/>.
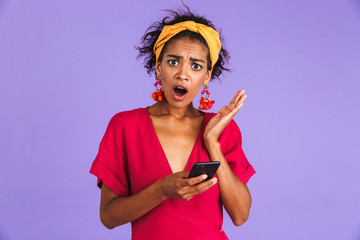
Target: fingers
<point x="183" y="180"/>
<point x="202" y="187"/>
<point x="198" y="188"/>
<point x="241" y="102"/>
<point x="185" y="188"/>
<point x="226" y="113"/>
<point x="182" y="174"/>
<point x="243" y="97"/>
<point x="239" y="97"/>
<point x="222" y="109"/>
<point x="236" y="103"/>
<point x="195" y="180"/>
<point x="177" y="185"/>
<point x="236" y="97"/>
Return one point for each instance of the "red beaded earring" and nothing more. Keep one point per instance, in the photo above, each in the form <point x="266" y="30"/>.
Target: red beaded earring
<point x="205" y="103"/>
<point x="158" y="95"/>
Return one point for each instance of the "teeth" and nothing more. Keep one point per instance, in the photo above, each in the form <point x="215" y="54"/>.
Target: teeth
<point x="181" y="88"/>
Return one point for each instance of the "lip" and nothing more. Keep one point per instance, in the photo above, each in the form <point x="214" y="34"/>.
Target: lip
<point x="179" y="98"/>
<point x="182" y="86"/>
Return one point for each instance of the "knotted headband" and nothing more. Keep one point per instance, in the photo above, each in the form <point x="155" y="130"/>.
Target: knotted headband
<point x="210" y="35"/>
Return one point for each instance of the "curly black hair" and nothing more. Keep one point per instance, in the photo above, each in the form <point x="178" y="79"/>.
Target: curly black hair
<point x="152" y="33"/>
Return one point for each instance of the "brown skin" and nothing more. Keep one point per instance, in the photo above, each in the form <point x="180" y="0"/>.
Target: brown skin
<point x="177" y="124"/>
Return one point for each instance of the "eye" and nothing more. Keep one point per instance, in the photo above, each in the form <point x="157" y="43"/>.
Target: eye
<point x="196" y="66"/>
<point x="173" y="62"/>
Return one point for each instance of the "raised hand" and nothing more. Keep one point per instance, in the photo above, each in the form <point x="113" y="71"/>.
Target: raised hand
<point x="218" y="123"/>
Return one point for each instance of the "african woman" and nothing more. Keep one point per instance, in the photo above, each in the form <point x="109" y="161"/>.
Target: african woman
<point x="146" y="154"/>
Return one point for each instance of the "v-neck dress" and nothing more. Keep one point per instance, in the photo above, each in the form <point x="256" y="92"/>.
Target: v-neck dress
<point x="130" y="158"/>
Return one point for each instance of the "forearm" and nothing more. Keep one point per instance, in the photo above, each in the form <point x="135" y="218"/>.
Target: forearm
<point x="234" y="194"/>
<point x="121" y="210"/>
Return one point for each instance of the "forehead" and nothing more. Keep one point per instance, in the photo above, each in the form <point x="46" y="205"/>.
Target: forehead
<point x="187" y="47"/>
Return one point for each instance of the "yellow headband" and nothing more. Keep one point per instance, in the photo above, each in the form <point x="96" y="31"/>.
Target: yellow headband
<point x="210" y="35"/>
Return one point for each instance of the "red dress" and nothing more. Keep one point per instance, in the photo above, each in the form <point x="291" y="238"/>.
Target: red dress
<point x="130" y="158"/>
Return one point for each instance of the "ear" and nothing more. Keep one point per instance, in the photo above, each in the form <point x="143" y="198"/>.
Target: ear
<point x="158" y="69"/>
<point x="207" y="77"/>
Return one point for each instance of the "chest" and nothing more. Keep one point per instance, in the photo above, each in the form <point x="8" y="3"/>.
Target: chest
<point x="177" y="140"/>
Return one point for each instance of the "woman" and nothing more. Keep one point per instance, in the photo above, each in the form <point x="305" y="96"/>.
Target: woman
<point x="146" y="154"/>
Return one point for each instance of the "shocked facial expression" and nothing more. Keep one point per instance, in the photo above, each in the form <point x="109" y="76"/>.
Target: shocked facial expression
<point x="183" y="69"/>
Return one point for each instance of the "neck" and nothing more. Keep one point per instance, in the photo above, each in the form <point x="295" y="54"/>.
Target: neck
<point x="164" y="108"/>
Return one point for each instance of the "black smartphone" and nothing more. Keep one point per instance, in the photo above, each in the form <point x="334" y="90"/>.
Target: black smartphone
<point x="208" y="168"/>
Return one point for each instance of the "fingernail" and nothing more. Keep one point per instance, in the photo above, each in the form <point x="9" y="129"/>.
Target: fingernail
<point x="204" y="176"/>
<point x="214" y="180"/>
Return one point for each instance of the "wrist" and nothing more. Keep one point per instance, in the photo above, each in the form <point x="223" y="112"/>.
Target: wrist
<point x="212" y="144"/>
<point x="159" y="189"/>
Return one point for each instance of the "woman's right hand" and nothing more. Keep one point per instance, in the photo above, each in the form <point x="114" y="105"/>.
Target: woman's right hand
<point x="177" y="185"/>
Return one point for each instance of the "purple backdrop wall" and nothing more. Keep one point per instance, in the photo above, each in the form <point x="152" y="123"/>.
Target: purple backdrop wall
<point x="67" y="66"/>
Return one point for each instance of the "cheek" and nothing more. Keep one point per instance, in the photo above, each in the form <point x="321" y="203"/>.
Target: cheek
<point x="200" y="81"/>
<point x="196" y="88"/>
<point x="165" y="85"/>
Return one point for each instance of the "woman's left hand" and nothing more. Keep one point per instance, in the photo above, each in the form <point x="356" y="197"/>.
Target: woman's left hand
<point x="219" y="122"/>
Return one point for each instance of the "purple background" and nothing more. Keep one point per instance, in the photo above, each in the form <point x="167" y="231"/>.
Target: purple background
<point x="67" y="66"/>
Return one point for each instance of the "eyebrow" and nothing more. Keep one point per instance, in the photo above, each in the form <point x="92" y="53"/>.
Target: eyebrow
<point x="192" y="59"/>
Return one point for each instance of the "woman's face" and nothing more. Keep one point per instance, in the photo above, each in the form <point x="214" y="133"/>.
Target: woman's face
<point x="183" y="69"/>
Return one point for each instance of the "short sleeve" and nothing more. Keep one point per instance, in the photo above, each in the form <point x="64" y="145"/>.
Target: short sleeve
<point x="231" y="146"/>
<point x="110" y="163"/>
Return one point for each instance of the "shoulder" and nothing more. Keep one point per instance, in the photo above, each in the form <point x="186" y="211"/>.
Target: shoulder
<point x="130" y="117"/>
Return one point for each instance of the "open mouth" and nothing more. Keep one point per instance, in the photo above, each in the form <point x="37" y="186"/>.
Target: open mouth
<point x="180" y="91"/>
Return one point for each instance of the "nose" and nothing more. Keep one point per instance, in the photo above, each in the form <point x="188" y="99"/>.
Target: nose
<point x="183" y="73"/>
